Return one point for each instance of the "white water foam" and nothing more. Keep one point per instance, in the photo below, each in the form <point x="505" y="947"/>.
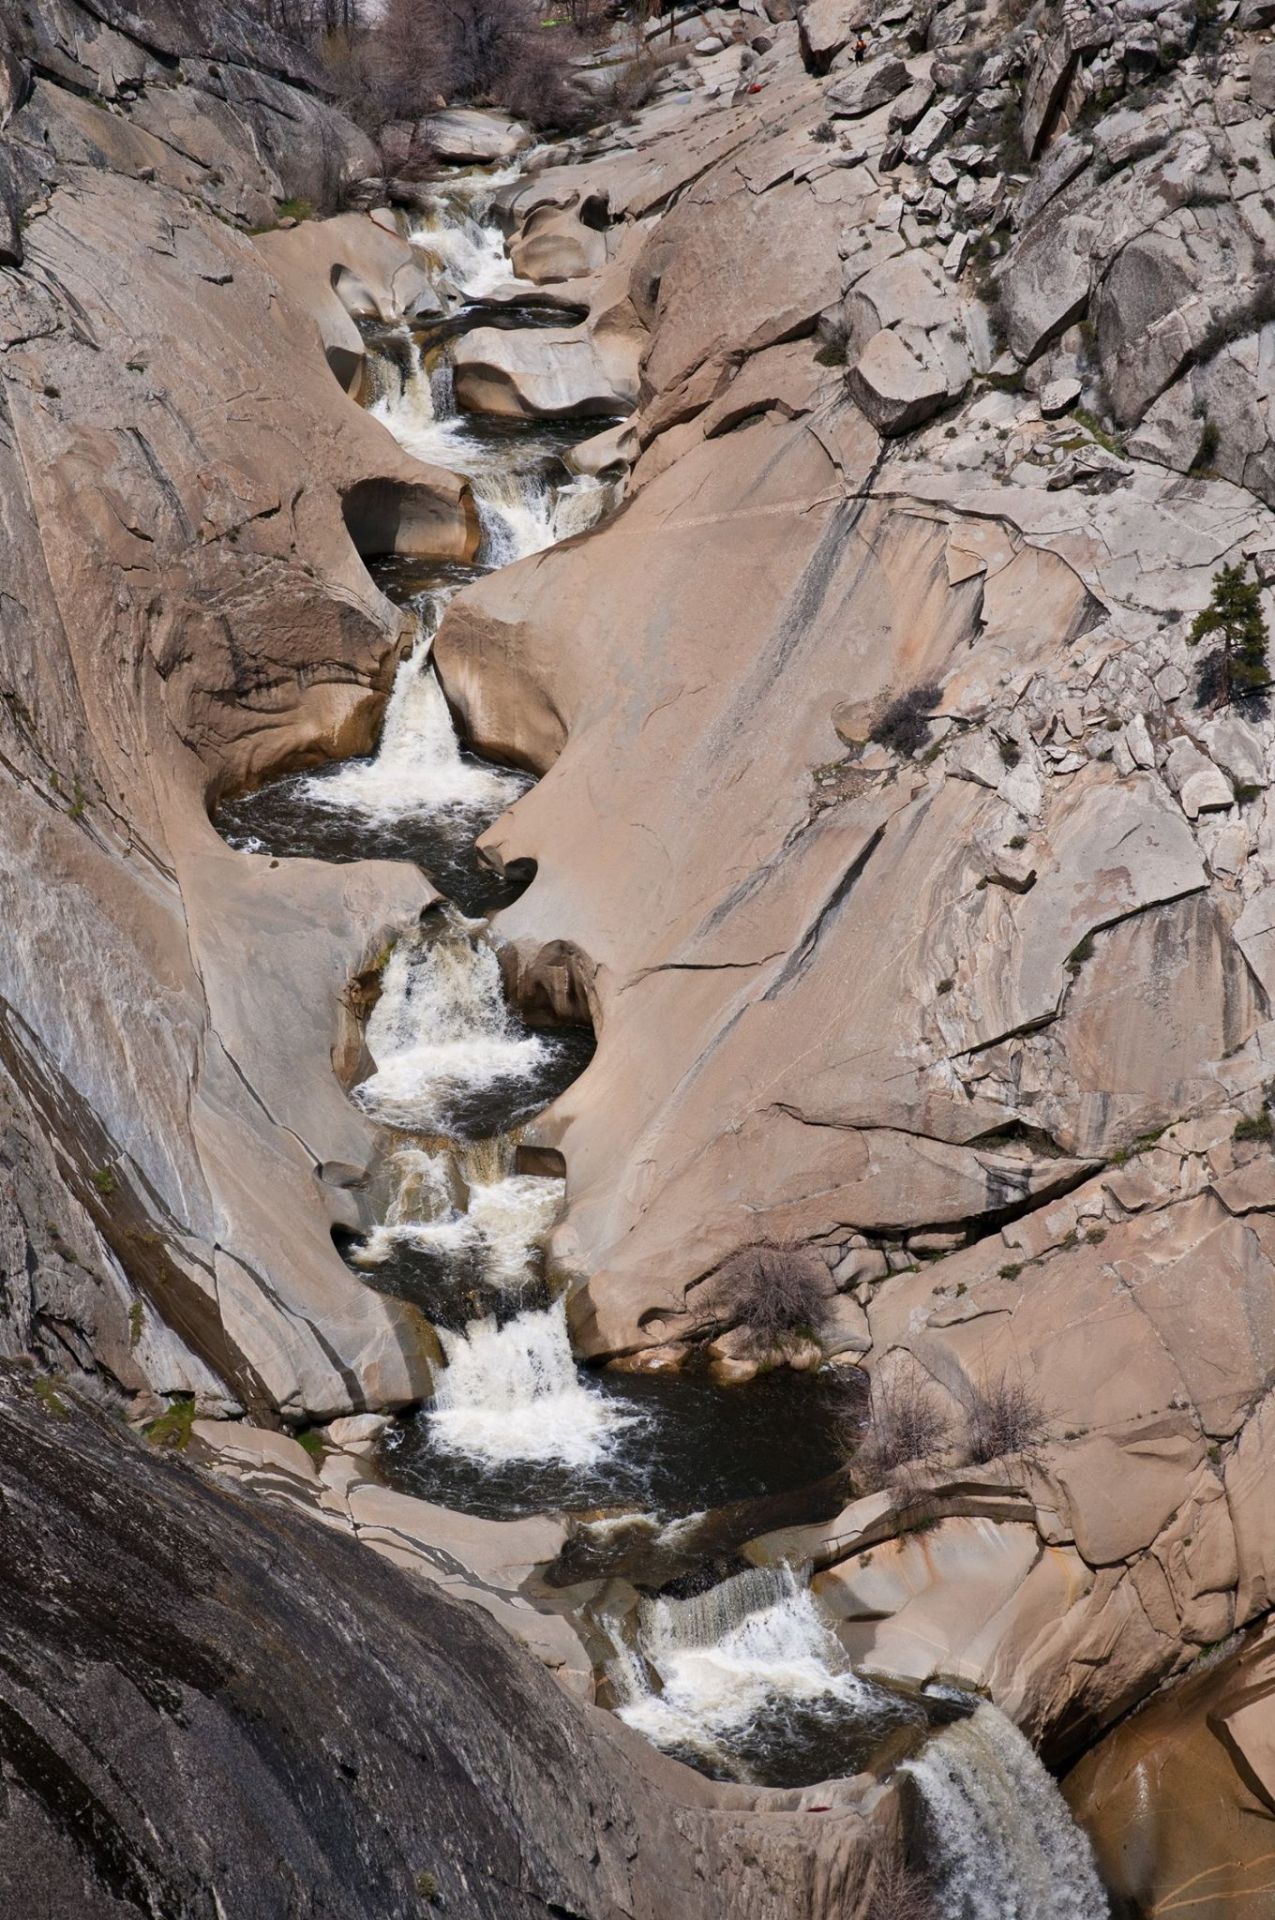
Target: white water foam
<point x="1003" y="1845"/>
<point x="418" y="766"/>
<point x="455" y="1199"/>
<point x="463" y="248"/>
<point x="728" y="1656"/>
<point x="514" y="1392"/>
<point x="521" y="509"/>
<point x="441" y="1028"/>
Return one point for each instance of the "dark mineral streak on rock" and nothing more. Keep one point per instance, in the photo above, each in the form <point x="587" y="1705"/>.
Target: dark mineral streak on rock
<point x="213" y="1709"/>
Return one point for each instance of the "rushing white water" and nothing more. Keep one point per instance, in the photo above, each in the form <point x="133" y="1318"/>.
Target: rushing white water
<point x="726" y="1657"/>
<point x="522" y="507"/>
<point x="514" y="1392"/>
<point x="418" y="766"/>
<point x="1002" y="1845"/>
<point x="440" y="1028"/>
<point x="461" y="245"/>
<point x="456" y="1199"/>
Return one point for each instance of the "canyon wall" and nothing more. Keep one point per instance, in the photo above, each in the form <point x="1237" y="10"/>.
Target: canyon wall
<point x="946" y="368"/>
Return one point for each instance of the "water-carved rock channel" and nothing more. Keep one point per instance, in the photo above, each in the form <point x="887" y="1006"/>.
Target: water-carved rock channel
<point x="724" y="1658"/>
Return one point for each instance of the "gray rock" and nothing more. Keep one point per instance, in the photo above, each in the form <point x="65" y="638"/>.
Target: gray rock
<point x="1126" y="136"/>
<point x="10" y="215"/>
<point x="1083" y="29"/>
<point x="864" y="89"/>
<point x="1065" y="159"/>
<point x="909" y="107"/>
<point x="202" y="1670"/>
<point x="468" y="136"/>
<point x="928" y="135"/>
<point x="895" y="388"/>
<point x="1044" y="285"/>
<point x="1199" y="785"/>
<point x="1059" y="397"/>
<point x="1262" y="77"/>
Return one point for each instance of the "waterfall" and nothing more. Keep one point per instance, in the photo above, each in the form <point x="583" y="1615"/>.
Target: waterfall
<point x="453" y="1199"/>
<point x="464" y="250"/>
<point x="441" y="1029"/>
<point x="1001" y="1844"/>
<point x="514" y="1392"/>
<point x="724" y="1658"/>
<point x="403" y="394"/>
<point x="523" y="513"/>
<point x="418" y="766"/>
<point x="523" y="504"/>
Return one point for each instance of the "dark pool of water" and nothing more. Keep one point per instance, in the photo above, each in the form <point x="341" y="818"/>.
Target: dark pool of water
<point x="692" y="1445"/>
<point x="480" y="1113"/>
<point x="288" y="818"/>
<point x="795" y="1743"/>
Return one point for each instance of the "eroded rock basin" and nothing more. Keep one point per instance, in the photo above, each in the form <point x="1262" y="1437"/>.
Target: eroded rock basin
<point x="665" y="1481"/>
<point x="666" y="1445"/>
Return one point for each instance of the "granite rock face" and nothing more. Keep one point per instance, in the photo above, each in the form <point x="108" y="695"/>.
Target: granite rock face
<point x="186" y="497"/>
<point x="208" y="1704"/>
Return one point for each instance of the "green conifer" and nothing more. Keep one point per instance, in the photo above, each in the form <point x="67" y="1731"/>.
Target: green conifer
<point x="1238" y="666"/>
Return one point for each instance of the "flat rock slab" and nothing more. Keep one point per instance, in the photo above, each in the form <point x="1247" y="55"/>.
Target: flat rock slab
<point x="469" y="137"/>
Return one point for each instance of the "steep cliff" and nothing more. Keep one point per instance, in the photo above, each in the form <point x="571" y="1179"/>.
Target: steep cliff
<point x="915" y="876"/>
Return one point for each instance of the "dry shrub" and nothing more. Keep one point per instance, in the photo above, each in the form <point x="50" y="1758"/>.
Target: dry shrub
<point x="904" y="727"/>
<point x="1005" y="1416"/>
<point x="488" y="52"/>
<point x="906" y="1428"/>
<point x="899" y="1893"/>
<point x="773" y="1290"/>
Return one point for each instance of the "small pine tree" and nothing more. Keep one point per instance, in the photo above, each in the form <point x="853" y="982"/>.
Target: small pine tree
<point x="1237" y="667"/>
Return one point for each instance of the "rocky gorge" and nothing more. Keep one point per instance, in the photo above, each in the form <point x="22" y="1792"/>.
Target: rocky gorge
<point x="572" y="713"/>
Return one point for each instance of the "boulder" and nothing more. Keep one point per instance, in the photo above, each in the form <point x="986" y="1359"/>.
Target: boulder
<point x="1044" y="286"/>
<point x="1059" y="396"/>
<point x="1200" y="786"/>
<point x="553" y="373"/>
<point x="553" y="243"/>
<point x="472" y="137"/>
<point x="896" y="387"/>
<point x="829" y="25"/>
<point x="863" y="89"/>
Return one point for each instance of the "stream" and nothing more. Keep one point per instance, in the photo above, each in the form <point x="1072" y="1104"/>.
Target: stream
<point x="730" y="1666"/>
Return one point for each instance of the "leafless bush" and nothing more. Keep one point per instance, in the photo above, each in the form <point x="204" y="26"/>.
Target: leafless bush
<point x="1005" y="1416"/>
<point x="902" y="727"/>
<point x="899" y="1893"/>
<point x="773" y="1290"/>
<point x="906" y="1427"/>
<point x="492" y="52"/>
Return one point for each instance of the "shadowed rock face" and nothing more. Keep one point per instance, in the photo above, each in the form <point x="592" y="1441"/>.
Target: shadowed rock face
<point x="210" y="1707"/>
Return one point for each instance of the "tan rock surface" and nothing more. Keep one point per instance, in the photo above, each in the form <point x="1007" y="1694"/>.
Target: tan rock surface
<point x="1179" y="1801"/>
<point x="190" y="610"/>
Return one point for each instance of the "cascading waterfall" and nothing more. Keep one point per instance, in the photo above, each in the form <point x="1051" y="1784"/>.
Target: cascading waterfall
<point x="514" y="1392"/>
<point x="418" y="766"/>
<point x="524" y="505"/>
<point x="725" y="1658"/>
<point x="459" y="241"/>
<point x="442" y="1029"/>
<point x="457" y="1199"/>
<point x="1000" y="1842"/>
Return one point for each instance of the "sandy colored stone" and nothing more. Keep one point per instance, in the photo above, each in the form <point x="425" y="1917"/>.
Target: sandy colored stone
<point x="1178" y="1801"/>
